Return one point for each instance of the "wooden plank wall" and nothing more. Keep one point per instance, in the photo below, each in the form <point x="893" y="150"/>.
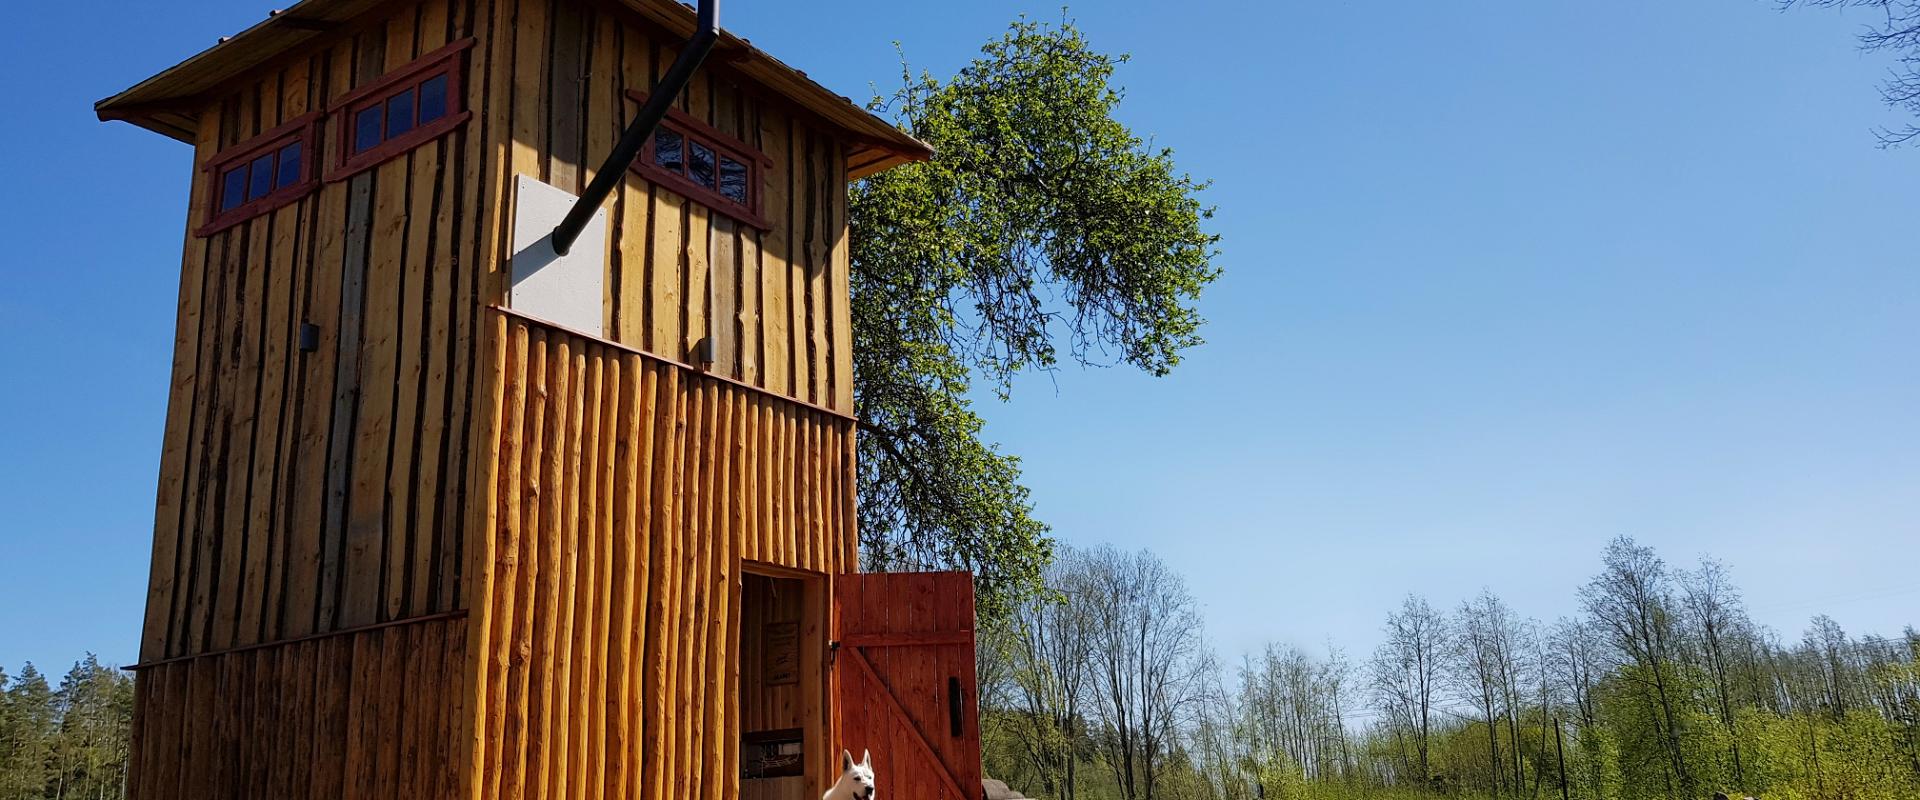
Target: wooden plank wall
<point x="627" y="493"/>
<point x="775" y="301"/>
<point x="363" y="715"/>
<point x="308" y="492"/>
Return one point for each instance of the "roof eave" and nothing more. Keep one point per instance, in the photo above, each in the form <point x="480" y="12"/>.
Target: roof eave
<point x="157" y="102"/>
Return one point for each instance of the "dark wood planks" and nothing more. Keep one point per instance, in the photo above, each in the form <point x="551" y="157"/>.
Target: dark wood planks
<point x="317" y="718"/>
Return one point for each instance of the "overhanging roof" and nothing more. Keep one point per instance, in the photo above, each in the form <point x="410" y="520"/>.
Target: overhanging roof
<point x="164" y="103"/>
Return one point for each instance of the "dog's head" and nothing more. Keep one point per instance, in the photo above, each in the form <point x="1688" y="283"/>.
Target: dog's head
<point x="858" y="776"/>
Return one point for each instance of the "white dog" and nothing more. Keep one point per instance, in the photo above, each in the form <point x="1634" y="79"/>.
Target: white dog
<point x="856" y="780"/>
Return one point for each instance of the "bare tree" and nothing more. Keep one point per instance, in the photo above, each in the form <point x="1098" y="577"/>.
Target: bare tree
<point x="1631" y="602"/>
<point x="1146" y="646"/>
<point x="1475" y="673"/>
<point x="1714" y="615"/>
<point x="1833" y="665"/>
<point x="1405" y="673"/>
<point x="1043" y="671"/>
<point x="1895" y="29"/>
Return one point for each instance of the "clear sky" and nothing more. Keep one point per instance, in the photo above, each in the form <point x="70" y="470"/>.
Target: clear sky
<point x="1503" y="280"/>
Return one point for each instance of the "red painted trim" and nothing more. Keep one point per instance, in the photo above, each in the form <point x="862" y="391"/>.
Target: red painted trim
<point x="720" y="142"/>
<point x="299" y="129"/>
<point x="393" y="148"/>
<point x="689" y="123"/>
<point x="447" y="61"/>
<point x="716" y="202"/>
<point x="400" y="75"/>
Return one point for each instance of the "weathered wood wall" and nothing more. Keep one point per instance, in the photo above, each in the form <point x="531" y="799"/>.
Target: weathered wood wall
<point x="775" y="301"/>
<point x="370" y="714"/>
<point x="627" y="494"/>
<point x="309" y="492"/>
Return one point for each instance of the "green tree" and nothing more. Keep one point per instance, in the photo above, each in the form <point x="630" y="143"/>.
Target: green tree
<point x="1042" y="230"/>
<point x="89" y="752"/>
<point x="27" y="731"/>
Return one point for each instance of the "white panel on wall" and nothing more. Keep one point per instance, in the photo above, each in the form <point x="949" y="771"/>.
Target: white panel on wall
<point x="565" y="290"/>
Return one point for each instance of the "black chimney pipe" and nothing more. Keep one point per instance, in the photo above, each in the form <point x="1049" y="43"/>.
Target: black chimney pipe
<point x="705" y="34"/>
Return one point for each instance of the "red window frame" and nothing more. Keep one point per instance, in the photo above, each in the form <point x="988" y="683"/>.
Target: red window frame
<point x="692" y="130"/>
<point x="298" y="130"/>
<point x="448" y="61"/>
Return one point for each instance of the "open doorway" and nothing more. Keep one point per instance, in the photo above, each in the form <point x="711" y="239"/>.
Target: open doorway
<point x="782" y="644"/>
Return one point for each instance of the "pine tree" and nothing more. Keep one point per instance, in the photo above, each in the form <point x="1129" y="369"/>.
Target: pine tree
<point x="26" y="740"/>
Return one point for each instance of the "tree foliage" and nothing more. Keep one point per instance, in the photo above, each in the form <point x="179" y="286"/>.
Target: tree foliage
<point x="1042" y="230"/>
<point x="65" y="742"/>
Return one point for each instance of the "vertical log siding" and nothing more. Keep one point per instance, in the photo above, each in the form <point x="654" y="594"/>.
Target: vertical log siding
<point x="628" y="493"/>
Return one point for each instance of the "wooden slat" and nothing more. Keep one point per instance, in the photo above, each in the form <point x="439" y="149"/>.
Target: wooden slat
<point x="182" y="396"/>
<point x="839" y="288"/>
<point x="307" y="481"/>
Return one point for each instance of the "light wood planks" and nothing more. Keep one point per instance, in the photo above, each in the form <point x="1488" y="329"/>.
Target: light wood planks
<point x="304" y="492"/>
<point x="776" y="301"/>
<point x="605" y="453"/>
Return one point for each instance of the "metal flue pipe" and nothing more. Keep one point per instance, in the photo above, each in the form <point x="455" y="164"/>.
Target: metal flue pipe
<point x="705" y="34"/>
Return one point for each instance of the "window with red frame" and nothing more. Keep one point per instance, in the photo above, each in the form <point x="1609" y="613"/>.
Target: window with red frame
<point x="691" y="158"/>
<point x="260" y="175"/>
<point x="402" y="110"/>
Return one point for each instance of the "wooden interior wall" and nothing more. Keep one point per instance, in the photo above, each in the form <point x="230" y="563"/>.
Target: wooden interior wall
<point x="766" y="601"/>
<point x="775" y="301"/>
<point x="370" y="714"/>
<point x="627" y="493"/>
<point x="304" y="492"/>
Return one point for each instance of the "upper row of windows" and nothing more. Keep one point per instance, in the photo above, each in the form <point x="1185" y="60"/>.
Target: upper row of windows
<point x="421" y="102"/>
<point x="403" y="109"/>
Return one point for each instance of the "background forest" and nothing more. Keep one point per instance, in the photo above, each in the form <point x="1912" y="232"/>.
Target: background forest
<point x="68" y="741"/>
<point x="1106" y="689"/>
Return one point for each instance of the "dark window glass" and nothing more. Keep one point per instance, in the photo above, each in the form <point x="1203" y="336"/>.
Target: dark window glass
<point x="400" y="114"/>
<point x="260" y="183"/>
<point x="666" y="150"/>
<point x="733" y="180"/>
<point x="700" y="164"/>
<point x="433" y="99"/>
<point x="289" y="166"/>
<point x="233" y="188"/>
<point x="366" y="129"/>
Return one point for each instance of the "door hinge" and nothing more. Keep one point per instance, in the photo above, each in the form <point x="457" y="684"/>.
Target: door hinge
<point x="833" y="651"/>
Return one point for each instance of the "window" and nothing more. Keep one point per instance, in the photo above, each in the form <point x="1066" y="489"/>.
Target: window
<point x="694" y="159"/>
<point x="261" y="174"/>
<point x="404" y="109"/>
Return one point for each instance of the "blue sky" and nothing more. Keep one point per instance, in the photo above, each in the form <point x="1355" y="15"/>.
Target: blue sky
<point x="1503" y="280"/>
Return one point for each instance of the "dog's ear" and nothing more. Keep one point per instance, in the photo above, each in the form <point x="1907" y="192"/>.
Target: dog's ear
<point x="846" y="761"/>
<point x="866" y="758"/>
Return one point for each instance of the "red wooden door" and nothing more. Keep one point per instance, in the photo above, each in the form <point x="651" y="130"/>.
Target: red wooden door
<point x="905" y="682"/>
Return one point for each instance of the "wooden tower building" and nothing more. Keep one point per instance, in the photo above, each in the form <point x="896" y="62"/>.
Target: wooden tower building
<point x="444" y="513"/>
